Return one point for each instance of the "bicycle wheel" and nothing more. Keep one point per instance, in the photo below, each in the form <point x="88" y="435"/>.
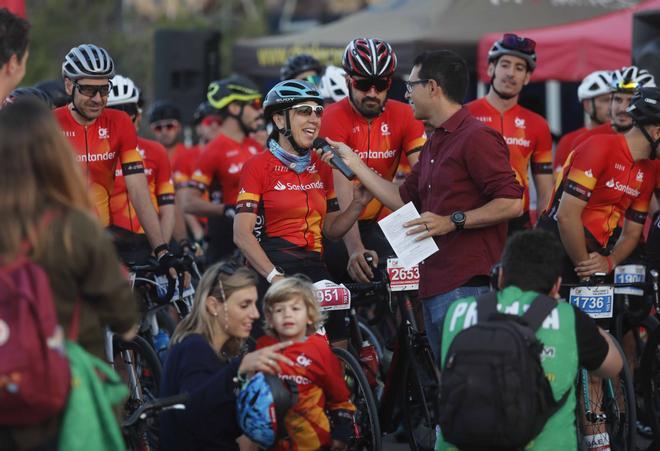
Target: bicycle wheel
<point x="610" y="410"/>
<point x="137" y="363"/>
<point x="368" y="436"/>
<point x="421" y="382"/>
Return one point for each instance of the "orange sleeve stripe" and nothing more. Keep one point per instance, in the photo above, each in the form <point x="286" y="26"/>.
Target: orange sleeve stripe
<point x="415" y="144"/>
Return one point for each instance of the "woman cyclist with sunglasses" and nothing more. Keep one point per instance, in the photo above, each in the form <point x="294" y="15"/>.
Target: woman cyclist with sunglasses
<point x="205" y="358"/>
<point x="287" y="192"/>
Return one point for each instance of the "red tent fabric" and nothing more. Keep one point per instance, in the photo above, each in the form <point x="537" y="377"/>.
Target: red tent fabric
<point x="15" y="6"/>
<point x="571" y="51"/>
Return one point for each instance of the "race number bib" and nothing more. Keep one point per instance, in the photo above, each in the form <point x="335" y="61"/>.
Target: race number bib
<point x="629" y="274"/>
<point x="332" y="296"/>
<point x="402" y="279"/>
<point x="594" y="301"/>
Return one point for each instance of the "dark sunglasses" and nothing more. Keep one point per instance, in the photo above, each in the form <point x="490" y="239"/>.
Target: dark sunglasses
<point x="160" y="126"/>
<point x="306" y="110"/>
<point x="210" y="120"/>
<point x="365" y="84"/>
<point x="91" y="90"/>
<point x="512" y="41"/>
<point x="257" y="104"/>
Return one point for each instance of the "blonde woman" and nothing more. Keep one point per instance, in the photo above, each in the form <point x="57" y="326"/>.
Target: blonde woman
<point x="205" y="358"/>
<point x="39" y="176"/>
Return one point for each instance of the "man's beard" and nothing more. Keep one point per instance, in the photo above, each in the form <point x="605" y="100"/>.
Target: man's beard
<point x="368" y="113"/>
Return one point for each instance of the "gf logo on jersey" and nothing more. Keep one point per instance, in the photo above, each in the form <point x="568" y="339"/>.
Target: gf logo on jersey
<point x="640" y="176"/>
<point x="356" y="129"/>
<point x="384" y="129"/>
<point x="103" y="133"/>
<point x="303" y="361"/>
<point x="519" y="122"/>
<point x="234" y="168"/>
<point x="279" y="186"/>
<point x="312" y="168"/>
<point x="610" y="183"/>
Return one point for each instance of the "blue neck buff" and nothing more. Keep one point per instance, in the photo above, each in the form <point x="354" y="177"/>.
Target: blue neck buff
<point x="297" y="164"/>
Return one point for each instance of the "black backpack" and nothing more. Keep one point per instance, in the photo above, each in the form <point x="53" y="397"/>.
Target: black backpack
<point x="493" y="391"/>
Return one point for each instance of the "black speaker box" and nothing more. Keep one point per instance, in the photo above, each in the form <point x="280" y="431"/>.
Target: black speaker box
<point x="646" y="41"/>
<point x="186" y="61"/>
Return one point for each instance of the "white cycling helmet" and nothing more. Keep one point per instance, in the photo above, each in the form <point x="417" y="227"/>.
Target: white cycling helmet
<point x="333" y="84"/>
<point x="628" y="79"/>
<point x="88" y="61"/>
<point x="123" y="91"/>
<point x="595" y="84"/>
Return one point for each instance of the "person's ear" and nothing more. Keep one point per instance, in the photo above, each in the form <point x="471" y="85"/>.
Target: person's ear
<point x="234" y="109"/>
<point x="278" y="119"/>
<point x="491" y="70"/>
<point x="68" y="86"/>
<point x="212" y="305"/>
<point x="555" y="288"/>
<point x="528" y="76"/>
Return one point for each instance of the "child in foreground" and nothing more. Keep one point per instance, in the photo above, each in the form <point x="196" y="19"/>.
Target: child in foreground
<point x="292" y="314"/>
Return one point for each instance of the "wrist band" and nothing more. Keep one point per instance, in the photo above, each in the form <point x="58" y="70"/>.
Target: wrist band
<point x="161" y="247"/>
<point x="272" y="274"/>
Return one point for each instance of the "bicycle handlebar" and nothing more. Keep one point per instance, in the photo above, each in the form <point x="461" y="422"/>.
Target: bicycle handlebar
<point x="360" y="286"/>
<point x="151" y="408"/>
<point x="153" y="267"/>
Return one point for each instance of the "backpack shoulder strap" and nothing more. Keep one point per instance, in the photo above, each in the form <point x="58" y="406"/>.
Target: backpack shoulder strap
<point x="486" y="306"/>
<point x="541" y="307"/>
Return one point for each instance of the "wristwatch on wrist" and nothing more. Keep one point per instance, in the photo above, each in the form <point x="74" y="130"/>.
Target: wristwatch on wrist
<point x="277" y="271"/>
<point x="458" y="218"/>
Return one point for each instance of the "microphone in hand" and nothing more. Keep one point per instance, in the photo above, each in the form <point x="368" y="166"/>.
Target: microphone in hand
<point x="336" y="161"/>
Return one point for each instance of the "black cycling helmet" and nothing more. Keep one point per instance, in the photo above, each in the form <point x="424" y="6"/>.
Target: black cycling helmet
<point x="162" y="110"/>
<point x="56" y="92"/>
<point x="298" y="64"/>
<point x="236" y="88"/>
<point x="644" y="110"/>
<point x="283" y="96"/>
<point x="32" y="92"/>
<point x="203" y="110"/>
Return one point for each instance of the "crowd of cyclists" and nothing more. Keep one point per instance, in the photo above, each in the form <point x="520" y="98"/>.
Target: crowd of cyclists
<point x="264" y="208"/>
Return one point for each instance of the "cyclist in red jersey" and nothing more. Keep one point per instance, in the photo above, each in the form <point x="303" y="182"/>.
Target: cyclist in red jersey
<point x="105" y="138"/>
<point x="130" y="240"/>
<point x="624" y="83"/>
<point x="207" y="122"/>
<point x="292" y="190"/>
<point x="380" y="130"/>
<point x="511" y="62"/>
<point x="606" y="177"/>
<point x="594" y="93"/>
<point x="218" y="169"/>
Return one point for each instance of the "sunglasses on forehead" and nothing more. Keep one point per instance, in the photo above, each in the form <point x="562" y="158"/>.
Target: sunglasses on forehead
<point x="92" y="90"/>
<point x="227" y="268"/>
<point x="514" y="42"/>
<point x="160" y="126"/>
<point x="306" y="110"/>
<point x="365" y="84"/>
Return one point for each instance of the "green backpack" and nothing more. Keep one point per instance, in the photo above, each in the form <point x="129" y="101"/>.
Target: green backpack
<point x="89" y="421"/>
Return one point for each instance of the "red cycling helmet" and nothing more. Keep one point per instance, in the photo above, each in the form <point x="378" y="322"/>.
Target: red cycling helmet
<point x="370" y="58"/>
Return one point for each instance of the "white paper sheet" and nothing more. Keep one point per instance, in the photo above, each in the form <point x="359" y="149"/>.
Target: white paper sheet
<point x="409" y="251"/>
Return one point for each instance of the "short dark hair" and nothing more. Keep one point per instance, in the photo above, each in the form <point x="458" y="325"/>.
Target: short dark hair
<point x="532" y="260"/>
<point x="448" y="69"/>
<point x="13" y="36"/>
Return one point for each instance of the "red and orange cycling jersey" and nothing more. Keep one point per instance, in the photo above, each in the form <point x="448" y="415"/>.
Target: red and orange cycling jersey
<point x="99" y="147"/>
<point x="564" y="148"/>
<point x="161" y="189"/>
<point x="604" y="129"/>
<point x="222" y="160"/>
<point x="293" y="205"/>
<point x="602" y="173"/>
<point x="321" y="387"/>
<point x="379" y="142"/>
<point x="183" y="161"/>
<point x="526" y="134"/>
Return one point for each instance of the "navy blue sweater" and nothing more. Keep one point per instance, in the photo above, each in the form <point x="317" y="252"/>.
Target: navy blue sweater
<point x="209" y="421"/>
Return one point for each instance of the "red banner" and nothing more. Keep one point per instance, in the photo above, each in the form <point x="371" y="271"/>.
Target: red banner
<point x="15" y="6"/>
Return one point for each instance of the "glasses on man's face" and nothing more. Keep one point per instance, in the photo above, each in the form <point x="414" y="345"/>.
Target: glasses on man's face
<point x="257" y="104"/>
<point x="306" y="110"/>
<point x="365" y="84"/>
<point x="92" y="90"/>
<point x="410" y="85"/>
<point x="512" y="41"/>
<point x="165" y="125"/>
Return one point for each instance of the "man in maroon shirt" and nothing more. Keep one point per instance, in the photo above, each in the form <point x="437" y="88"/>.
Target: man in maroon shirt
<point x="463" y="185"/>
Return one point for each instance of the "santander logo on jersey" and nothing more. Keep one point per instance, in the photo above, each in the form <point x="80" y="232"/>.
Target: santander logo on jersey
<point x="279" y="186"/>
<point x="612" y="184"/>
<point x="513" y="141"/>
